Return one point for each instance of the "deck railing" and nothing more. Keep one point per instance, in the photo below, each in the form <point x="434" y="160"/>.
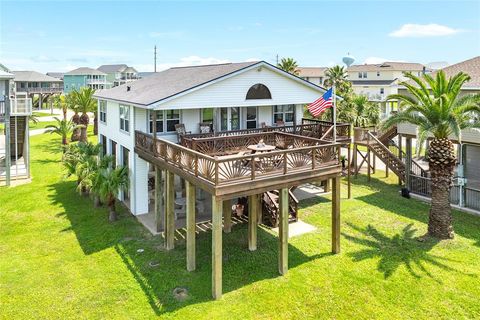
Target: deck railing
<point x="472" y="198"/>
<point x="231" y="169"/>
<point x="423" y="186"/>
<point x="40" y="89"/>
<point x="308" y="128"/>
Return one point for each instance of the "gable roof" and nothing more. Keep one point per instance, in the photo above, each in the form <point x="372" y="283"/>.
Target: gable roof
<point x="164" y="84"/>
<point x="110" y="68"/>
<point x="311" y="71"/>
<point x="470" y="66"/>
<point x="58" y="75"/>
<point x="33" y="76"/>
<point x="174" y="81"/>
<point x="83" y="71"/>
<point x="387" y="66"/>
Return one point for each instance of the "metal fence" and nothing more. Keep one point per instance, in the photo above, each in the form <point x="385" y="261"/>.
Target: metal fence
<point x="423" y="186"/>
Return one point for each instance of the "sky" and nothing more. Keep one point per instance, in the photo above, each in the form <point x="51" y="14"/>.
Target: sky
<point x="62" y="35"/>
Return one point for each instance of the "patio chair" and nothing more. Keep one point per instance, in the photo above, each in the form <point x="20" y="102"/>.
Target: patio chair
<point x="205" y="127"/>
<point x="280" y="123"/>
<point x="180" y="129"/>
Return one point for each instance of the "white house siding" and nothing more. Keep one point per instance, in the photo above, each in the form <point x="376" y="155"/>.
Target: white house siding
<point x="232" y="92"/>
<point x="468" y="135"/>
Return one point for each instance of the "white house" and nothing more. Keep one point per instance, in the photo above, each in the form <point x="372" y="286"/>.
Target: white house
<point x="228" y="96"/>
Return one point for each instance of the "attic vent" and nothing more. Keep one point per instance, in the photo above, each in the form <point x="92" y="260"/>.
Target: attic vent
<point x="128" y="88"/>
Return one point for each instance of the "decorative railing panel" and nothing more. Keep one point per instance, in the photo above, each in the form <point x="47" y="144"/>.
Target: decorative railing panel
<point x="305" y="154"/>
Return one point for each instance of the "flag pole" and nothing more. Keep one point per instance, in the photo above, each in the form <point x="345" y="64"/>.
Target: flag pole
<point x="334" y="116"/>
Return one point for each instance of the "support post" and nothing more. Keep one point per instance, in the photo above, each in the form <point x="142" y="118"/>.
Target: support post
<point x="252" y="221"/>
<point x="8" y="155"/>
<point x="355" y="161"/>
<point x="169" y="211"/>
<point x="368" y="162"/>
<point x="408" y="162"/>
<point x="190" y="193"/>
<point x="159" y="203"/>
<point x="227" y="216"/>
<point x="283" y="233"/>
<point x="336" y="215"/>
<point x="349" y="182"/>
<point x="327" y="185"/>
<point x="374" y="163"/>
<point x="400" y="154"/>
<point x="216" y="248"/>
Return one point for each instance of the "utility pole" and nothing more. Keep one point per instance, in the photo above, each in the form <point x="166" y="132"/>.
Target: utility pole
<point x="277" y="58"/>
<point x="155" y="59"/>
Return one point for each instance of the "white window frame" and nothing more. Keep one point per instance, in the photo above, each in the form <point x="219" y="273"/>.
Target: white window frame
<point x="124" y="118"/>
<point x="378" y="73"/>
<point x="283" y="113"/>
<point x="163" y="117"/>
<point x="360" y="75"/>
<point x="365" y="75"/>
<point x="102" y="111"/>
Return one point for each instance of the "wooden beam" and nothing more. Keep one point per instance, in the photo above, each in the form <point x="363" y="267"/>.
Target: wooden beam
<point x="159" y="203"/>
<point x="355" y="165"/>
<point x="252" y="221"/>
<point x="216" y="248"/>
<point x="227" y="216"/>
<point x="190" y="201"/>
<point x="283" y="233"/>
<point x="368" y="163"/>
<point x="400" y="155"/>
<point x="349" y="189"/>
<point x="326" y="185"/>
<point x="336" y="215"/>
<point x="169" y="211"/>
<point x="408" y="162"/>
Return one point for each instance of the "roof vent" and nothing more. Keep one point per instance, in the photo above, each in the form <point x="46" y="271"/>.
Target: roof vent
<point x="128" y="88"/>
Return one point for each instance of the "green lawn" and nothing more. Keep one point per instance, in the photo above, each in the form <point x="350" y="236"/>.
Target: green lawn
<point x="60" y="259"/>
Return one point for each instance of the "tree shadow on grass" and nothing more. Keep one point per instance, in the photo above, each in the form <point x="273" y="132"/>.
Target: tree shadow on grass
<point x="401" y="249"/>
<point x="387" y="197"/>
<point x="159" y="272"/>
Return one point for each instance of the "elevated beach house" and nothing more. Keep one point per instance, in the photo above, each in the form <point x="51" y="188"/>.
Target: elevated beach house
<point x="202" y="142"/>
<point x="85" y="77"/>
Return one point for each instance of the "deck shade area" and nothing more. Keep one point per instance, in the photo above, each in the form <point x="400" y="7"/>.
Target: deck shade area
<point x="219" y="165"/>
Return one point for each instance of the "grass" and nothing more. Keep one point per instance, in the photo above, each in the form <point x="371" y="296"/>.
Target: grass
<point x="62" y="259"/>
<point x="33" y="126"/>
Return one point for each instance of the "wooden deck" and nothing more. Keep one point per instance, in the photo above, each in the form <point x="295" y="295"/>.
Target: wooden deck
<point x="298" y="160"/>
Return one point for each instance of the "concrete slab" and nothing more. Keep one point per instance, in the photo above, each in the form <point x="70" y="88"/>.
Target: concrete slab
<point x="298" y="228"/>
<point x="308" y="191"/>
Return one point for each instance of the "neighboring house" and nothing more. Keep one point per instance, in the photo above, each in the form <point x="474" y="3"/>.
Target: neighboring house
<point x="85" y="78"/>
<point x="15" y="108"/>
<point x="467" y="189"/>
<point x="230" y="96"/>
<point x="58" y="75"/>
<point x="377" y="81"/>
<point x="32" y="83"/>
<point x="119" y="74"/>
<point x="315" y="75"/>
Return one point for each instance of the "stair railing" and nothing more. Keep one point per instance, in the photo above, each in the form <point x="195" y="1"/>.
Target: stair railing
<point x="390" y="155"/>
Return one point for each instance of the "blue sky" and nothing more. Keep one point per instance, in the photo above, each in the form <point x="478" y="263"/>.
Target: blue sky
<point x="62" y="35"/>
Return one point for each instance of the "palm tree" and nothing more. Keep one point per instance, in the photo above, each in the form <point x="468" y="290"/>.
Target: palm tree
<point x="338" y="76"/>
<point x="112" y="181"/>
<point x="72" y="101"/>
<point x="62" y="101"/>
<point x="289" y="65"/>
<point x="63" y="128"/>
<point x="86" y="103"/>
<point x="104" y="162"/>
<point x="359" y="111"/>
<point x="434" y="106"/>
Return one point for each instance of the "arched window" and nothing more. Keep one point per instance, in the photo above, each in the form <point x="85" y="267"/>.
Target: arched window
<point x="258" y="91"/>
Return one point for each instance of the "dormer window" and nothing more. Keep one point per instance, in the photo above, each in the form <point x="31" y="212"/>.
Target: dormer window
<point x="258" y="91"/>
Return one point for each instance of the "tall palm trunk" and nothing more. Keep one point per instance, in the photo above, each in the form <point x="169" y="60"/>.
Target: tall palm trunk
<point x="64" y="111"/>
<point x="441" y="159"/>
<point x="84" y="120"/>
<point x="76" y="131"/>
<point x="112" y="216"/>
<point x="95" y="123"/>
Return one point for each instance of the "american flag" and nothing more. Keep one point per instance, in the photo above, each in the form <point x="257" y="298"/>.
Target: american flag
<point x="321" y="104"/>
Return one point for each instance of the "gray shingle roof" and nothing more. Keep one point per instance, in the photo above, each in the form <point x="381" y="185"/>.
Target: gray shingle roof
<point x="170" y="82"/>
<point x="85" y="71"/>
<point x="58" y="75"/>
<point x="111" y="68"/>
<point x="311" y="71"/>
<point x="33" y="76"/>
<point x="470" y="66"/>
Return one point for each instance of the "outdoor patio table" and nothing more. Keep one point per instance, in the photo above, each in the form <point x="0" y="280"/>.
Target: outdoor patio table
<point x="263" y="148"/>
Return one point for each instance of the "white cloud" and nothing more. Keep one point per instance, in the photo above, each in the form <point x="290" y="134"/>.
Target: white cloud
<point x="412" y="30"/>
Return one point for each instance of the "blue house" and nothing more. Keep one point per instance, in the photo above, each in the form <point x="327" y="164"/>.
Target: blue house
<point x="83" y="78"/>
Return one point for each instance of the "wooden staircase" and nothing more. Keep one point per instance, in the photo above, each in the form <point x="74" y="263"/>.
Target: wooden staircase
<point x="271" y="207"/>
<point x="19" y="124"/>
